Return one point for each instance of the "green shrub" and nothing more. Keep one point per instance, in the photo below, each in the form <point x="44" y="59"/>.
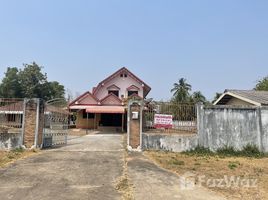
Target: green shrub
<point x="199" y="151"/>
<point x="251" y="151"/>
<point x="227" y="151"/>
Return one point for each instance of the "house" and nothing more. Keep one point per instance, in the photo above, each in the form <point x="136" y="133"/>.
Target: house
<point x="106" y="106"/>
<point x="243" y="97"/>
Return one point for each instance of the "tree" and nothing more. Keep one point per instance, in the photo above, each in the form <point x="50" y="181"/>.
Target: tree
<point x="10" y="86"/>
<point x="217" y="96"/>
<point x="262" y="84"/>
<point x="181" y="91"/>
<point x="198" y="97"/>
<point x="54" y="90"/>
<point x="33" y="81"/>
<point x="29" y="82"/>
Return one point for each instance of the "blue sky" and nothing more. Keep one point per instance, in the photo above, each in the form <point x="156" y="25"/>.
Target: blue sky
<point x="213" y="44"/>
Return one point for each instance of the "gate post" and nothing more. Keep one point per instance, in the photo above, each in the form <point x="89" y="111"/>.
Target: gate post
<point x="134" y="125"/>
<point x="33" y="123"/>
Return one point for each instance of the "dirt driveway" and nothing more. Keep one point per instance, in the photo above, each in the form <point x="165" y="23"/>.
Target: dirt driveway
<point x="87" y="168"/>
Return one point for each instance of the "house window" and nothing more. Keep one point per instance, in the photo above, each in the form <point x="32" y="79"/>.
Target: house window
<point x="123" y="75"/>
<point x="115" y="92"/>
<point x="88" y="115"/>
<point x="132" y="92"/>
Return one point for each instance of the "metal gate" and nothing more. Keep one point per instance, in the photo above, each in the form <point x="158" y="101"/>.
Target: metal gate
<point x="56" y="124"/>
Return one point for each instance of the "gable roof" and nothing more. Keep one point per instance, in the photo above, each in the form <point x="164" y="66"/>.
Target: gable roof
<point x="133" y="87"/>
<point x="113" y="86"/>
<point x="111" y="99"/>
<point x="254" y="97"/>
<point x="146" y="88"/>
<point x="83" y="96"/>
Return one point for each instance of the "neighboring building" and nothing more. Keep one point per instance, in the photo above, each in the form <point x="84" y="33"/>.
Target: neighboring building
<point x="106" y="105"/>
<point x="11" y="114"/>
<point x="243" y="97"/>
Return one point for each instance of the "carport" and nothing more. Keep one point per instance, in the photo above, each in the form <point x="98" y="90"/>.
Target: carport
<point x="107" y="116"/>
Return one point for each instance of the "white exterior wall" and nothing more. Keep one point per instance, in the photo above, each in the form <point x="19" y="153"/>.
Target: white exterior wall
<point x="121" y="82"/>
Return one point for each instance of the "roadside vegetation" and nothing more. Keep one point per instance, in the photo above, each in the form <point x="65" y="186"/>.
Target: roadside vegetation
<point x="123" y="183"/>
<point x="7" y="157"/>
<point x="248" y="163"/>
<point x="247" y="151"/>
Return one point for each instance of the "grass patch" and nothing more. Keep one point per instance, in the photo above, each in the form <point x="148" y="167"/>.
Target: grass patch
<point x="7" y="157"/>
<point x="176" y="162"/>
<point x="233" y="165"/>
<point x="18" y="150"/>
<point x="203" y="162"/>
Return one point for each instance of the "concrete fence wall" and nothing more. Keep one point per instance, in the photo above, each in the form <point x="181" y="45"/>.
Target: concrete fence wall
<point x="264" y="128"/>
<point x="10" y="140"/>
<point x="175" y="143"/>
<point x="217" y="127"/>
<point x="234" y="126"/>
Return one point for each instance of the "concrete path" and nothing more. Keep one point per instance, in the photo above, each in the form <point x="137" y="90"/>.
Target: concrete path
<point x="87" y="168"/>
<point x="154" y="183"/>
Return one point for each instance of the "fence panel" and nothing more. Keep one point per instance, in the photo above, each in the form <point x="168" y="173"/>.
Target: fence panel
<point x="168" y="117"/>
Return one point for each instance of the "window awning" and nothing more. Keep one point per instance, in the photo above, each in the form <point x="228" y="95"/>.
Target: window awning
<point x="105" y="109"/>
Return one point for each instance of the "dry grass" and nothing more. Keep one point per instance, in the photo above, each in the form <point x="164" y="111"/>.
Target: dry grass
<point x="7" y="157"/>
<point x="123" y="184"/>
<point x="216" y="167"/>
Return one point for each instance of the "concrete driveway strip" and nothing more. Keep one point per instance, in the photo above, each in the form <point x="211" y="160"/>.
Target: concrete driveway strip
<point x="151" y="182"/>
<point x="87" y="168"/>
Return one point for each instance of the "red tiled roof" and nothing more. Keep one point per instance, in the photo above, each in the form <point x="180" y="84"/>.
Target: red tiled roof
<point x="111" y="95"/>
<point x="83" y="96"/>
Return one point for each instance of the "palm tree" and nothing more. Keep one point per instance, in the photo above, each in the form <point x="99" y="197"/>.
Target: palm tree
<point x="198" y="97"/>
<point x="217" y="96"/>
<point x="181" y="90"/>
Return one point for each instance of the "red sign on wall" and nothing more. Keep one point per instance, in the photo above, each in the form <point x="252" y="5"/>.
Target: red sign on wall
<point x="162" y="121"/>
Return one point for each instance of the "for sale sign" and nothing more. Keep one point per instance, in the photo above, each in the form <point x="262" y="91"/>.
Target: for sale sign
<point x="162" y="121"/>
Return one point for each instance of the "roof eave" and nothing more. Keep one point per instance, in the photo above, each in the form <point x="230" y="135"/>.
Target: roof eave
<point x="238" y="97"/>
